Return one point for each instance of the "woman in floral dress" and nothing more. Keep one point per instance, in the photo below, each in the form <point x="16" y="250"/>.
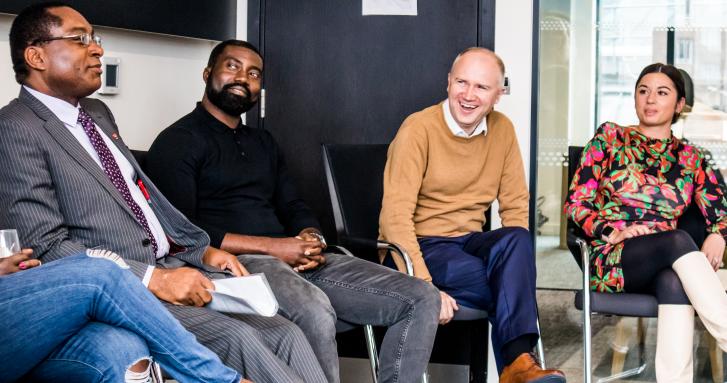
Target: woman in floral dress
<point x="632" y="186"/>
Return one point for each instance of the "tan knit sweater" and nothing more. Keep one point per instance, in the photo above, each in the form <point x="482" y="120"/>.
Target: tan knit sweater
<point x="438" y="184"/>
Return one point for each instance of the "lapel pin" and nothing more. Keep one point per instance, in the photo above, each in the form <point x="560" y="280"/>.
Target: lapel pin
<point x="114" y="136"/>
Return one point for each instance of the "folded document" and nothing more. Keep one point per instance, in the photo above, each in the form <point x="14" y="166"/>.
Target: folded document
<point x="244" y="295"/>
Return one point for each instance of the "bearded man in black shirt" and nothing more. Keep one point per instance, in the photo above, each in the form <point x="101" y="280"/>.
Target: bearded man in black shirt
<point x="231" y="180"/>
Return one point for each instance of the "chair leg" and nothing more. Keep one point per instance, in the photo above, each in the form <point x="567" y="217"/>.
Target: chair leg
<point x="539" y="346"/>
<point x="642" y="358"/>
<point x="715" y="358"/>
<point x="620" y="344"/>
<point x="586" y="340"/>
<point x="492" y="373"/>
<point x="478" y="352"/>
<point x="156" y="373"/>
<point x="373" y="354"/>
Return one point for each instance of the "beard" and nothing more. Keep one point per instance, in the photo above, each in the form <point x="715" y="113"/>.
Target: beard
<point x="232" y="104"/>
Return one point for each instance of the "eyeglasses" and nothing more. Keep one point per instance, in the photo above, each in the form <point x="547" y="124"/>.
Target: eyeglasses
<point x="84" y="38"/>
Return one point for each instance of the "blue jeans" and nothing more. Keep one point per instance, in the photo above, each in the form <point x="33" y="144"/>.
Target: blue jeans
<point x="87" y="320"/>
<point x="354" y="291"/>
<point x="493" y="271"/>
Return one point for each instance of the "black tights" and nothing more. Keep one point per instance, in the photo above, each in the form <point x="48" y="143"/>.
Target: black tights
<point x="647" y="261"/>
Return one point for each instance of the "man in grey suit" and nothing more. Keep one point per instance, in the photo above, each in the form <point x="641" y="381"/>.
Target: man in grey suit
<point x="69" y="183"/>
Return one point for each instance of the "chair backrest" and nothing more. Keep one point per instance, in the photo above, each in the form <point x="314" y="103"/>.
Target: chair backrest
<point x="140" y="157"/>
<point x="355" y="175"/>
<point x="691" y="221"/>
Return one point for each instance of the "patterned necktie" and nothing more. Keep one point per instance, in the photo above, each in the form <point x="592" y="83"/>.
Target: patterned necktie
<point x="111" y="168"/>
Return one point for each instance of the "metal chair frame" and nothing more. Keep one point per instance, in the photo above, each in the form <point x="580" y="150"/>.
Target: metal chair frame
<point x="587" y="368"/>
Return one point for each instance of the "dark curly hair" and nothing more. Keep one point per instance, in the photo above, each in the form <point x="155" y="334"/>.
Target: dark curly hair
<point x="31" y="24"/>
<point x="217" y="50"/>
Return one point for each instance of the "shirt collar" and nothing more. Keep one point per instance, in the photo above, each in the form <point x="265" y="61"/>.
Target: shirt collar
<point x="67" y="113"/>
<point x="456" y="129"/>
<point x="214" y="123"/>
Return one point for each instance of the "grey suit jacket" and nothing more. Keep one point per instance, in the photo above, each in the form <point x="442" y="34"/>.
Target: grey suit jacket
<point x="62" y="202"/>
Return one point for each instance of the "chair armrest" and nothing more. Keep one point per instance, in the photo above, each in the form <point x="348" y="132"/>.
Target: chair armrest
<point x="341" y="250"/>
<point x="357" y="242"/>
<point x="398" y="249"/>
<point x="380" y="245"/>
<point x="585" y="260"/>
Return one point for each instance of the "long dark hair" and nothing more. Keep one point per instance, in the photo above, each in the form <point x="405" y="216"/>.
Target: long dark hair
<point x="673" y="73"/>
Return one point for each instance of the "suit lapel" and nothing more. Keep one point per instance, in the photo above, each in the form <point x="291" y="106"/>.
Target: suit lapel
<point x="68" y="142"/>
<point x="109" y="128"/>
<point x="100" y="117"/>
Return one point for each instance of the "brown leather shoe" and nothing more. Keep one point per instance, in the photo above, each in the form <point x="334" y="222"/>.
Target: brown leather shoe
<point x="525" y="369"/>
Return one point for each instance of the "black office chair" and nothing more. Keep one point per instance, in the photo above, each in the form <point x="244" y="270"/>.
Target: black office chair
<point x="355" y="183"/>
<point x="621" y="304"/>
<point x="140" y="157"/>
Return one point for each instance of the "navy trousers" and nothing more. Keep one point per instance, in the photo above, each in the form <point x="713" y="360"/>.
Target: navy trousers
<point x="493" y="271"/>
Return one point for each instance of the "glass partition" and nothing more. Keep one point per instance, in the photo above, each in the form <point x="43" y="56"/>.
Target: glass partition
<point x="591" y="53"/>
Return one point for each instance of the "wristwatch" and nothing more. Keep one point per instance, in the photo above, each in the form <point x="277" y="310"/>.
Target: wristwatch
<point x="319" y="236"/>
<point x="607" y="231"/>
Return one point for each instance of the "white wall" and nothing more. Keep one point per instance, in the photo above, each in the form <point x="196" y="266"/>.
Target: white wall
<point x="161" y="76"/>
<point x="513" y="43"/>
<point x="160" y="79"/>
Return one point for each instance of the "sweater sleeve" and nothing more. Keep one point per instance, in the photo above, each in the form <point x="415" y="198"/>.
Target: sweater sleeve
<point x="403" y="175"/>
<point x="513" y="195"/>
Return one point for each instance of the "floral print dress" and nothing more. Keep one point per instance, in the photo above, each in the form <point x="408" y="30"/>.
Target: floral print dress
<point x="626" y="178"/>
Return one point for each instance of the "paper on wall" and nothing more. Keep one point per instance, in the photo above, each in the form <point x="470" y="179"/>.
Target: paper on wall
<point x="389" y="7"/>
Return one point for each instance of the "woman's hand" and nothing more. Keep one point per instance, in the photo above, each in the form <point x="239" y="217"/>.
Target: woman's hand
<point x="18" y="262"/>
<point x="629" y="232"/>
<point x="713" y="248"/>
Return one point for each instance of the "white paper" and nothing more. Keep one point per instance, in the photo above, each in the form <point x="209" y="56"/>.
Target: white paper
<point x="244" y="295"/>
<point x="389" y="7"/>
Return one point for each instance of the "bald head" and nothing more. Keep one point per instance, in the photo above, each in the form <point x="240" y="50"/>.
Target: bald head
<point x="474" y="86"/>
<point x="482" y="55"/>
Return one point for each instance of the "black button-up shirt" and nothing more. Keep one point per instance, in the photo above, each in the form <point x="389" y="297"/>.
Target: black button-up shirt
<point x="227" y="180"/>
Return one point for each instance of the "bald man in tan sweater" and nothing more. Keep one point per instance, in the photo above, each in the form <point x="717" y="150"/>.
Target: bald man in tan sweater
<point x="445" y="167"/>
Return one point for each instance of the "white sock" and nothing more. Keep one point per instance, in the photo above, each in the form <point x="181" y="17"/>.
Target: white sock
<point x="139" y="377"/>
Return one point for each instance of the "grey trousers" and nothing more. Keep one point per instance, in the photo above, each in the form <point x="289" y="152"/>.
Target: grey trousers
<point x="358" y="292"/>
<point x="270" y="350"/>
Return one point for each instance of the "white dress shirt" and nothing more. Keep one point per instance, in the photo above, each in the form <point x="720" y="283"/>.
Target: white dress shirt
<point x="456" y="129"/>
<point x="68" y="114"/>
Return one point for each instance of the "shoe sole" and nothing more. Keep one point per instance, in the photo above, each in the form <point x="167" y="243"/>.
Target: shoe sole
<point x="549" y="379"/>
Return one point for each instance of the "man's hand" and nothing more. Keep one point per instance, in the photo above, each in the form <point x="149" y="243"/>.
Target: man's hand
<point x="18" y="262"/>
<point x="449" y="306"/>
<point x="629" y="232"/>
<point x="310" y="234"/>
<point x="713" y="248"/>
<point x="309" y="263"/>
<point x="295" y="251"/>
<point x="223" y="261"/>
<point x="183" y="286"/>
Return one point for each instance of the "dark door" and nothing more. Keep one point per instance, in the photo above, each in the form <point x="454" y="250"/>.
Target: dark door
<point x="335" y="76"/>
